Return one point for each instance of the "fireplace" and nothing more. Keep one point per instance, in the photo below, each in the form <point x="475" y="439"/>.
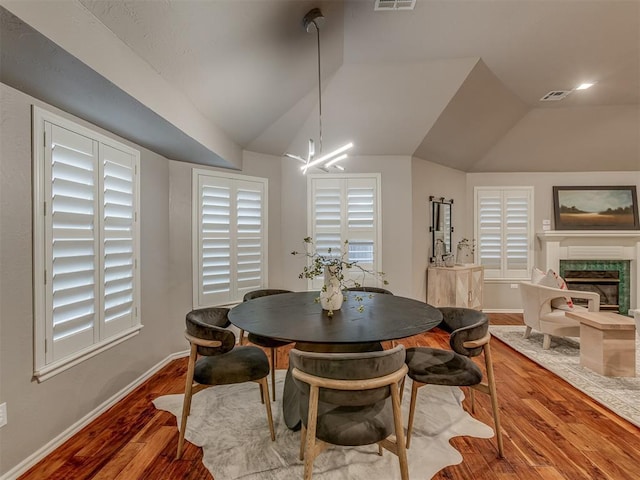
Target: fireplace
<point x="603" y="282"/>
<point x="596" y="251"/>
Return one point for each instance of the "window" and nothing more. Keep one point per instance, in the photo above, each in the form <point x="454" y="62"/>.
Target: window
<point x="504" y="232"/>
<point x="346" y="207"/>
<point x="230" y="237"/>
<point x="86" y="238"/>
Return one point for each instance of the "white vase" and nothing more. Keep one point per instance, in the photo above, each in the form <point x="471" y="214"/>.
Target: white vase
<point x="331" y="296"/>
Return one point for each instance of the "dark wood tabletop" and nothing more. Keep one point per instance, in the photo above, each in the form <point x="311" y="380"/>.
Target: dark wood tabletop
<point x="297" y="317"/>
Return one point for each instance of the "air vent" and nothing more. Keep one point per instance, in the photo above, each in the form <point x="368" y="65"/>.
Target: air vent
<point x="555" y="95"/>
<point x="391" y="5"/>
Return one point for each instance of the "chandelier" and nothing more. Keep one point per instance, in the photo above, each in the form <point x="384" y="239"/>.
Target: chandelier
<point x="313" y="20"/>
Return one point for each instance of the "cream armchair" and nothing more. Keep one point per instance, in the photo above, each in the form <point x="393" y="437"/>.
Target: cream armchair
<point x="541" y="316"/>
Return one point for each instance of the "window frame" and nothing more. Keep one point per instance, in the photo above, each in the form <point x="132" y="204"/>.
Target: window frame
<point x="503" y="274"/>
<point x="235" y="294"/>
<point x="344" y="178"/>
<point x="44" y="366"/>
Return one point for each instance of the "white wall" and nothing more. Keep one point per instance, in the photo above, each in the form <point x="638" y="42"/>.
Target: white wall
<point x="498" y="296"/>
<point x="432" y="179"/>
<point x="38" y="412"/>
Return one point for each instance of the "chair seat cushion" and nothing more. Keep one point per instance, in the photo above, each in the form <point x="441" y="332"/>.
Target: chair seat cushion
<point x="242" y="364"/>
<point x="266" y="341"/>
<point x="352" y="426"/>
<point x="441" y="367"/>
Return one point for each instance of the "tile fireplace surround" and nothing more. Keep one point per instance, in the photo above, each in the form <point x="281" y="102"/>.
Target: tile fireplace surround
<point x="594" y="245"/>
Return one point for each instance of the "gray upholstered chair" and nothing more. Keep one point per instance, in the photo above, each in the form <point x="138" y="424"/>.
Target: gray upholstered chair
<point x="350" y="399"/>
<point x="369" y="289"/>
<point x="266" y="342"/>
<point x="469" y="337"/>
<point x="220" y="362"/>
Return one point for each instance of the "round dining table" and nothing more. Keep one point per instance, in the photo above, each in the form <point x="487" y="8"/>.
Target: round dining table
<point x="365" y="320"/>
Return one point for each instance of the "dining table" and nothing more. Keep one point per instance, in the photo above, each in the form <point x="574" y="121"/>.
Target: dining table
<point x="364" y="321"/>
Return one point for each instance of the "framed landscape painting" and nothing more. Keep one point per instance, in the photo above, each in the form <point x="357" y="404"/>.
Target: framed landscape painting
<point x="596" y="208"/>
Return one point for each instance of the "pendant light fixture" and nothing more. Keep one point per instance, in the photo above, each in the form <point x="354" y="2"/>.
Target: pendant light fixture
<point x="313" y="20"/>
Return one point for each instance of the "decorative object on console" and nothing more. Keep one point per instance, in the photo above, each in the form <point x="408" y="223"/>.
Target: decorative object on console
<point x="465" y="251"/>
<point x="596" y="208"/>
<point x="338" y="273"/>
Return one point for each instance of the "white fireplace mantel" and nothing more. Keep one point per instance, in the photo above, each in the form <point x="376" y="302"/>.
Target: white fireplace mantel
<point x="559" y="245"/>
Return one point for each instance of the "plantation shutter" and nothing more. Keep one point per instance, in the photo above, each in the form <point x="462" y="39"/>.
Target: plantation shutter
<point x="503" y="231"/>
<point x="251" y="234"/>
<point x="119" y="243"/>
<point x="230" y="254"/>
<point x="345" y="207"/>
<point x="71" y="242"/>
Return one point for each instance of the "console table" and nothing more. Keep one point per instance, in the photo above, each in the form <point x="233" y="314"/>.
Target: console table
<point x="457" y="286"/>
<point x="607" y="343"/>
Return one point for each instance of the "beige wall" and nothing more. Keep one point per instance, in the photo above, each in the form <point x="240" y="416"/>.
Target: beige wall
<point x="499" y="296"/>
<point x="39" y="412"/>
<point x="431" y="179"/>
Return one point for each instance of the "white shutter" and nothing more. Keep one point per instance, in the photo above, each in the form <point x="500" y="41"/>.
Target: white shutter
<point x="230" y="237"/>
<point x="215" y="241"/>
<point x="71" y="242"/>
<point x="119" y="243"/>
<point x="250" y="236"/>
<point x="345" y="207"/>
<point x="503" y="231"/>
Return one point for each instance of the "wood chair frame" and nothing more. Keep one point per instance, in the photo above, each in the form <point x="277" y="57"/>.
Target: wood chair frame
<point x="488" y="387"/>
<point x="311" y="447"/>
<point x="191" y="388"/>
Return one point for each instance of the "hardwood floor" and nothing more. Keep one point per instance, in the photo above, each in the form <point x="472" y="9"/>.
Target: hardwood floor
<point x="551" y="431"/>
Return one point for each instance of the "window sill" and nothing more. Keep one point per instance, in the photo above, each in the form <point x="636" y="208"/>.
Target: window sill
<point x="47" y="371"/>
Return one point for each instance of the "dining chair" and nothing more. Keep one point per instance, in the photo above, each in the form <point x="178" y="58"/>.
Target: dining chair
<point x="220" y="362"/>
<point x="271" y="343"/>
<point x="469" y="337"/>
<point x="350" y="399"/>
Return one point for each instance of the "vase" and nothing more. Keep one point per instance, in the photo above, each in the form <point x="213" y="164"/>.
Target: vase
<point x="331" y="295"/>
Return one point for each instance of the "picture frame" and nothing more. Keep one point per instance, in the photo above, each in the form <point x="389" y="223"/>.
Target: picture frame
<point x="596" y="207"/>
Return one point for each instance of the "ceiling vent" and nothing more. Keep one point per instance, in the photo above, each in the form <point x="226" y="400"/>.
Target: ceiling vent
<point x="391" y="5"/>
<point x="555" y="95"/>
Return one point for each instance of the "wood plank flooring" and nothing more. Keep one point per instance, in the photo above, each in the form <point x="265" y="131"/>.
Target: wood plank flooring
<point x="551" y="431"/>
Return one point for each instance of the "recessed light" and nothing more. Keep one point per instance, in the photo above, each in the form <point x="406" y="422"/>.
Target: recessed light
<point x="584" y="86"/>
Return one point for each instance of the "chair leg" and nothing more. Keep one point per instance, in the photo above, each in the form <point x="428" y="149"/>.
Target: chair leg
<point x="264" y="388"/>
<point x="546" y="342"/>
<point x="310" y="444"/>
<point x="494" y="398"/>
<point x="527" y="332"/>
<point x="399" y="428"/>
<point x="186" y="404"/>
<point x="241" y="337"/>
<point x="472" y="398"/>
<point x="303" y="440"/>
<point x="412" y="409"/>
<point x="273" y="373"/>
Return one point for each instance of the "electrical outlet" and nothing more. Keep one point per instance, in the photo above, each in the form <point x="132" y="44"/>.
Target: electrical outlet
<point x="3" y="414"/>
<point x="514" y="285"/>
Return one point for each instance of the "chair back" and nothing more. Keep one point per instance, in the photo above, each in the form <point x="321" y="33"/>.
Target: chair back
<point x="464" y="324"/>
<point x="207" y="324"/>
<point x="369" y="290"/>
<point x="263" y="293"/>
<point x="532" y="304"/>
<point x="348" y="366"/>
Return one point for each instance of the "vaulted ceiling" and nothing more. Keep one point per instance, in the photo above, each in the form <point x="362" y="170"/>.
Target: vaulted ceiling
<point x="454" y="82"/>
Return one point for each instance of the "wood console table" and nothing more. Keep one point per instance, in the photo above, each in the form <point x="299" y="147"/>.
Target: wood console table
<point x="457" y="286"/>
<point x="607" y="343"/>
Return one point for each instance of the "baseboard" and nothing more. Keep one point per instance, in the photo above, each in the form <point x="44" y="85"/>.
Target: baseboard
<point x="49" y="447"/>
<point x="502" y="310"/>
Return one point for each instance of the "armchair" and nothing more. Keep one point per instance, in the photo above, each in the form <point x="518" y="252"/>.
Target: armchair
<point x="541" y="316"/>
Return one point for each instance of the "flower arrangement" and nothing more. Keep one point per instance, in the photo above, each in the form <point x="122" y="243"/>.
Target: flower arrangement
<point x="334" y="268"/>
